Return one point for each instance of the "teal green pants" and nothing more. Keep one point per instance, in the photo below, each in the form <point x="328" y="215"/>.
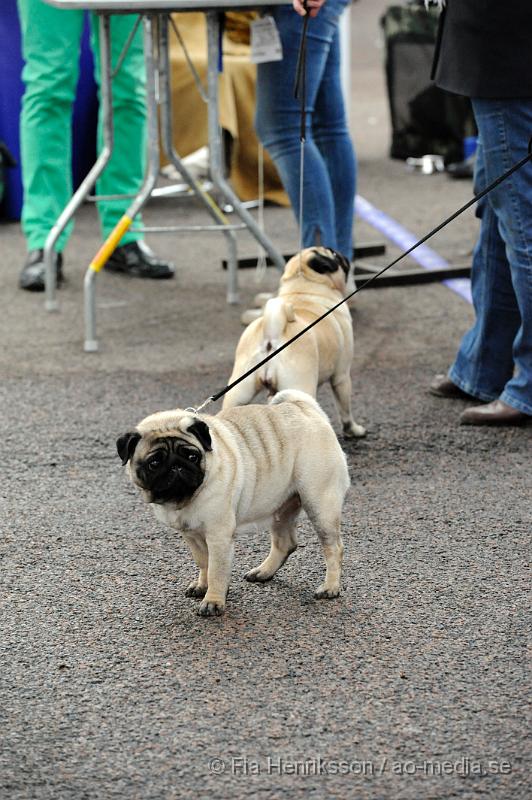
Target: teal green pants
<point x="51" y="47"/>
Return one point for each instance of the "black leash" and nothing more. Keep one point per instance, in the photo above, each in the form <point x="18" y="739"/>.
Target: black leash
<point x="299" y="93"/>
<point x="374" y="277"/>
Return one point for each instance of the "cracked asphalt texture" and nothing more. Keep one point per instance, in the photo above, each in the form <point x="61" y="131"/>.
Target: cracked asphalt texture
<point x="112" y="687"/>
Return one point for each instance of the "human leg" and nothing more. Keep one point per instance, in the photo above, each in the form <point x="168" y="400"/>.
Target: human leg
<point x="125" y="170"/>
<point x="495" y="357"/>
<point x="50" y="45"/>
<point x="484" y="361"/>
<point x="331" y="134"/>
<point x="278" y="121"/>
<point x="513" y="205"/>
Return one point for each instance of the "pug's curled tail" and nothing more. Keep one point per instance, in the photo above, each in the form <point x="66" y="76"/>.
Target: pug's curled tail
<point x="296" y="396"/>
<point x="277" y="315"/>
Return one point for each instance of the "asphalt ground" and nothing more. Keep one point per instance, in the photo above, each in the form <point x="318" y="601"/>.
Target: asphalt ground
<point x="412" y="684"/>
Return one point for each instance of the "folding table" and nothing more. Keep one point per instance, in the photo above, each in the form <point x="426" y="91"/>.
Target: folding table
<point x="155" y="17"/>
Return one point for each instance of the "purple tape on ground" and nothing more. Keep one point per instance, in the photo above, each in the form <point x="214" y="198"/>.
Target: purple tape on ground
<point x="425" y="256"/>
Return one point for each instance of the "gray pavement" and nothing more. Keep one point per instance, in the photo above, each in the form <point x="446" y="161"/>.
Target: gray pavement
<point x="411" y="685"/>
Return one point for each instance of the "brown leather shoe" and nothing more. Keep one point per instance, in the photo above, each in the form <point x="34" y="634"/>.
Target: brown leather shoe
<point x="442" y="386"/>
<point x="494" y="413"/>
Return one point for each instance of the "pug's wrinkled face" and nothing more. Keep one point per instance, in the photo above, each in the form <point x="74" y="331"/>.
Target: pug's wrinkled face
<point x="168" y="468"/>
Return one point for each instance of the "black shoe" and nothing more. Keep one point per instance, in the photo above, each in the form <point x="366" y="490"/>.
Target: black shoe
<point x="136" y="259"/>
<point x="32" y="276"/>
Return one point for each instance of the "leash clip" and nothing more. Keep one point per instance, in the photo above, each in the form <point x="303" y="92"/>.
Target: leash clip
<point x="196" y="411"/>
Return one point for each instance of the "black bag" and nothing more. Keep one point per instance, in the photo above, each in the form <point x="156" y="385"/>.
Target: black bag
<point x="424" y="118"/>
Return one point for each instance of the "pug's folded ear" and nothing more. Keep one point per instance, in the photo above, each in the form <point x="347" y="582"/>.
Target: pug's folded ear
<point x="343" y="262"/>
<point x="200" y="430"/>
<point x="126" y="444"/>
<point x="328" y="260"/>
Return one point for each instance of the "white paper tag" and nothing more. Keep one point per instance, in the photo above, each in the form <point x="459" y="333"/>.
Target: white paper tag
<point x="265" y="41"/>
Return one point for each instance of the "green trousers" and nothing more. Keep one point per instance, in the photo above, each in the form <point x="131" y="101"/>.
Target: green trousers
<point x="51" y="48"/>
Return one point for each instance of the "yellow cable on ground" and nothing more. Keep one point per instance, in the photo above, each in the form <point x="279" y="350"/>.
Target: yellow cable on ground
<point x="110" y="244"/>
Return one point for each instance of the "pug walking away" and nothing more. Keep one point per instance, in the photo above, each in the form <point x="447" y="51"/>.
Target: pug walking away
<point x="313" y="282"/>
<point x="209" y="476"/>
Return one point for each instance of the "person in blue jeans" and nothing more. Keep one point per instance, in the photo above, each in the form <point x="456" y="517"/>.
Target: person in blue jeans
<point x="488" y="58"/>
<point x="329" y="157"/>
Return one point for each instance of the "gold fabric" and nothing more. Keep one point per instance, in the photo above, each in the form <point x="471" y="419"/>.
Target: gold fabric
<point x="237" y="25"/>
<point x="237" y="104"/>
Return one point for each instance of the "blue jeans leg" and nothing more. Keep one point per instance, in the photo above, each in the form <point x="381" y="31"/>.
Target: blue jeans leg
<point x="495" y="356"/>
<point x="329" y="160"/>
<point x="331" y="134"/>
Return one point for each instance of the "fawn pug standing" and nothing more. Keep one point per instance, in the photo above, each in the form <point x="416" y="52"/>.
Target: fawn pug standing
<point x="207" y="476"/>
<point x="313" y="282"/>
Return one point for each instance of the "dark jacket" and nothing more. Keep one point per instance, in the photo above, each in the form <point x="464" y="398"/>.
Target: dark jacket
<point x="484" y="48"/>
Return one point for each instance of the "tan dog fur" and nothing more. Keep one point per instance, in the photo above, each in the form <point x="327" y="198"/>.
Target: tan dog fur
<point x="267" y="462"/>
<point x="322" y="354"/>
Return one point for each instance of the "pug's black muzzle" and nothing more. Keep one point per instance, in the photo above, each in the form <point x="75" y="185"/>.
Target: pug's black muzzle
<point x="173" y="479"/>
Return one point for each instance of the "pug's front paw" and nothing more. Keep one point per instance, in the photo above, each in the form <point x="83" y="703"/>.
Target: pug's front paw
<point x="195" y="590"/>
<point x="211" y="609"/>
<point x="326" y="592"/>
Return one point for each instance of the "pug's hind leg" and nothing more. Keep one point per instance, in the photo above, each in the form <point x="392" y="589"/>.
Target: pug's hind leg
<point x="341" y="387"/>
<point x="198" y="548"/>
<point x="243" y="393"/>
<point x="283" y="541"/>
<point x="326" y="521"/>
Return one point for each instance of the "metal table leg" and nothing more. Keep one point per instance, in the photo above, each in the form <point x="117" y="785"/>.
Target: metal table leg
<point x="150" y="22"/>
<point x="167" y="141"/>
<point x="50" y="278"/>
<point x="215" y="141"/>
